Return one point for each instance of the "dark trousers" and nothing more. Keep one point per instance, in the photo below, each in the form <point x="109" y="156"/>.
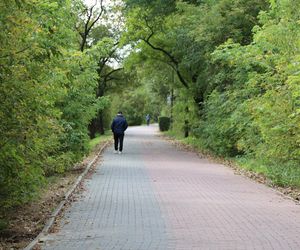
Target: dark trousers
<point x="118" y="140"/>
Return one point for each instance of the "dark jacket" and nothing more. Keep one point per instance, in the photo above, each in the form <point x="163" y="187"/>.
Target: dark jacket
<point x="119" y="124"/>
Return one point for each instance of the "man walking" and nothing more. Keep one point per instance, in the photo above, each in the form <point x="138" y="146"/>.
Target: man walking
<point x="118" y="126"/>
<point x="148" y="119"/>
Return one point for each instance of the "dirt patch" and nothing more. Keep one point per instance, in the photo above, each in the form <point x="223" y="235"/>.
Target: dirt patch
<point x="26" y="222"/>
<point x="290" y="192"/>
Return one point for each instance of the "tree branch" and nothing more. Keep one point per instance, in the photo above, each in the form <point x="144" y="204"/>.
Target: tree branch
<point x="87" y="25"/>
<point x="172" y="58"/>
<point x="104" y="60"/>
<point x="18" y="52"/>
<point x="98" y="17"/>
<point x="111" y="72"/>
<point x="169" y="55"/>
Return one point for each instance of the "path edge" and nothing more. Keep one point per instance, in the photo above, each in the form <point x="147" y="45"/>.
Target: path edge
<point x="227" y="164"/>
<point x="60" y="206"/>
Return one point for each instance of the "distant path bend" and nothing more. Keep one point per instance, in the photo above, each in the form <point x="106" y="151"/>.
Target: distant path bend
<point x="155" y="196"/>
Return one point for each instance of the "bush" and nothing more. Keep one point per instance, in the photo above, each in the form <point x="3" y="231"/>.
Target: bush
<point x="134" y="119"/>
<point x="47" y="96"/>
<point x="164" y="123"/>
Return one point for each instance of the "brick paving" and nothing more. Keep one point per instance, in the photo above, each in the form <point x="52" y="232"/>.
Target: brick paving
<point x="155" y="196"/>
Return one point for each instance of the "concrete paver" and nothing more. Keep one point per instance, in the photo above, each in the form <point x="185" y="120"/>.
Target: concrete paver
<point x="155" y="196"/>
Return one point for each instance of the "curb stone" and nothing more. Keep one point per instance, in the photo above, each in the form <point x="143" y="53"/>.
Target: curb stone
<point x="60" y="206"/>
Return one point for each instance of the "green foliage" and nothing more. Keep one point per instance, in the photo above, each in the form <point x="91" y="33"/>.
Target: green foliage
<point x="279" y="175"/>
<point x="254" y="106"/>
<point x="47" y="94"/>
<point x="164" y="123"/>
<point x="99" y="139"/>
<point x="219" y="127"/>
<point x="267" y="99"/>
<point x="133" y="106"/>
<point x="240" y="62"/>
<point x="144" y="95"/>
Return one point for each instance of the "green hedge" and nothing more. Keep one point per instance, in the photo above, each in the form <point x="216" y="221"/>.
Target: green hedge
<point x="164" y="123"/>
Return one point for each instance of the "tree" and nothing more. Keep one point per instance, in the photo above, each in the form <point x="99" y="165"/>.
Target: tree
<point x="184" y="36"/>
<point x="96" y="27"/>
<point x="47" y="94"/>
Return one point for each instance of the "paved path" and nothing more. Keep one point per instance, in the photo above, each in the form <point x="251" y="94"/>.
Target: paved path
<point x="157" y="197"/>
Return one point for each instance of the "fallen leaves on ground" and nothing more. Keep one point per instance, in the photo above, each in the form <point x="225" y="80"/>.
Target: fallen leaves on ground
<point x="27" y="221"/>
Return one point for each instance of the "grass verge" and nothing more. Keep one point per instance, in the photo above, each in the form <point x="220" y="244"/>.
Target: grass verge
<point x="279" y="174"/>
<point x="98" y="140"/>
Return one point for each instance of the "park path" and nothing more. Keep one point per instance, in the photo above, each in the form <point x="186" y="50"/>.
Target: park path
<point x="155" y="196"/>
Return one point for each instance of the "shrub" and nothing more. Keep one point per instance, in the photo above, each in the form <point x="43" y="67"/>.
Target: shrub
<point x="164" y="123"/>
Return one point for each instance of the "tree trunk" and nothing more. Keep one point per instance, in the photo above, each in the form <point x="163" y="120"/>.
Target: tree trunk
<point x="101" y="123"/>
<point x="186" y="123"/>
<point x="92" y="129"/>
<point x="171" y="108"/>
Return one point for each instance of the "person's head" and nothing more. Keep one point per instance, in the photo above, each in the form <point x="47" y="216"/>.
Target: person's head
<point x="120" y="113"/>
